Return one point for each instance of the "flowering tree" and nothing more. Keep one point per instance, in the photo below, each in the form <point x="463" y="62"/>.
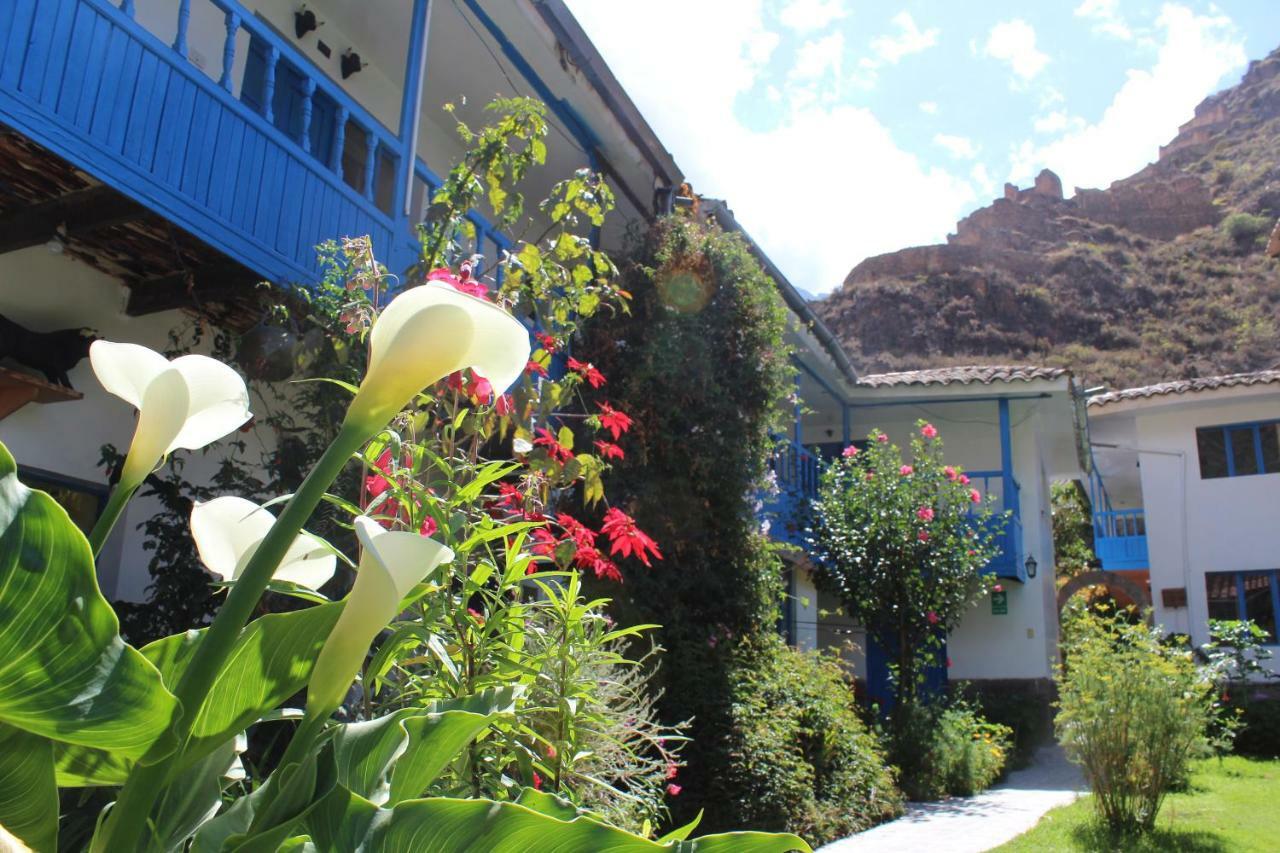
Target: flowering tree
<point x="903" y="543"/>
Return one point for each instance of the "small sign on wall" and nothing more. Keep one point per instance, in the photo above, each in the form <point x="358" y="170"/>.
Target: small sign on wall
<point x="1000" y="603"/>
<point x="1174" y="596"/>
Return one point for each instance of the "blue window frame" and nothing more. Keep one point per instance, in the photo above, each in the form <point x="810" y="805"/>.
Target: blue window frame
<point x="1245" y="595"/>
<point x="1239" y="450"/>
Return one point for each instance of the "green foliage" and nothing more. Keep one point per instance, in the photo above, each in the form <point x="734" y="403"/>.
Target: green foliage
<point x="1022" y="707"/>
<point x="1246" y="228"/>
<point x="950" y="751"/>
<point x="1133" y="711"/>
<point x="803" y="761"/>
<point x="903" y="544"/>
<point x="702" y="367"/>
<point x="1072" y="529"/>
<point x="66" y="674"/>
<point x="1258" y="719"/>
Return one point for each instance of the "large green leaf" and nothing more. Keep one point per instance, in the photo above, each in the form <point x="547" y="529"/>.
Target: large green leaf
<point x="271" y="661"/>
<point x="345" y="821"/>
<point x="193" y="798"/>
<point x="397" y="756"/>
<point x="28" y="795"/>
<point x="65" y="673"/>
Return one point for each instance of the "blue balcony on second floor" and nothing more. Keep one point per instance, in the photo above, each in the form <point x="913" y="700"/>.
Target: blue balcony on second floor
<point x="1120" y="539"/>
<point x="256" y="151"/>
<point x="795" y="470"/>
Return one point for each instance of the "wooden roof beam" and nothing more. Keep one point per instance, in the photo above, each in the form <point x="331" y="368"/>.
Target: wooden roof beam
<point x="82" y="211"/>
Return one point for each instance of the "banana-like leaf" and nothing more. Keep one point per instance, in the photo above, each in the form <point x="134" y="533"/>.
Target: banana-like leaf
<point x="28" y="794"/>
<point x="397" y="756"/>
<point x="65" y="673"/>
<point x="271" y="661"/>
<point x="345" y="821"/>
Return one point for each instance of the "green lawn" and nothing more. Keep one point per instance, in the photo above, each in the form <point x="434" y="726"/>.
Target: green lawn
<point x="1231" y="805"/>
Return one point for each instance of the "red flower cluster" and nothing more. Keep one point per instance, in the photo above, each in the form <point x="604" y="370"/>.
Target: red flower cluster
<point x="614" y="421"/>
<point x="586" y="555"/>
<point x="379" y="482"/>
<point x="609" y="450"/>
<point x="627" y="539"/>
<point x="471" y="385"/>
<point x="555" y="449"/>
<point x="547" y="342"/>
<point x="462" y="282"/>
<point x="533" y="368"/>
<point x="587" y="371"/>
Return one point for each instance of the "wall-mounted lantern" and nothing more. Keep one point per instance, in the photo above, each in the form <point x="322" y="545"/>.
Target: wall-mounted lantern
<point x="1030" y="565"/>
<point x="350" y="63"/>
<point x="304" y="21"/>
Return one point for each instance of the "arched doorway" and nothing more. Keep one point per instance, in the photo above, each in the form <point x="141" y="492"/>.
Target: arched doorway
<point x="1124" y="589"/>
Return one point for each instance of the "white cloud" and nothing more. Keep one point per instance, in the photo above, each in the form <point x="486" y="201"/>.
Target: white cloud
<point x="1054" y="122"/>
<point x="808" y="15"/>
<point x="818" y="58"/>
<point x="1105" y="18"/>
<point x="1014" y="42"/>
<point x="907" y="40"/>
<point x="982" y="179"/>
<point x="1195" y="52"/>
<point x="957" y="146"/>
<point x="820" y="190"/>
<point x="929" y="107"/>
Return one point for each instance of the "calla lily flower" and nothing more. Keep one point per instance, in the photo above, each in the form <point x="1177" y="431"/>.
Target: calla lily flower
<point x="228" y="530"/>
<point x="186" y="403"/>
<point x="426" y="333"/>
<point x="391" y="564"/>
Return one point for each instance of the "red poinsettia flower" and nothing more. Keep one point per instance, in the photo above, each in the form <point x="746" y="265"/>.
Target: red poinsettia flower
<point x="575" y="530"/>
<point x="535" y="369"/>
<point x="610" y="451"/>
<point x="505" y="406"/>
<point x="587" y="371"/>
<point x="544" y="542"/>
<point x="509" y="496"/>
<point x="614" y="421"/>
<point x="479" y="389"/>
<point x="589" y="558"/>
<point x="547" y="342"/>
<point x="627" y="539"/>
<point x="555" y="449"/>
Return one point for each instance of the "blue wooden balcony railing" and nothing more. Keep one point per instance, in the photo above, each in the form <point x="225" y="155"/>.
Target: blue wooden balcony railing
<point x="1120" y="539"/>
<point x="1119" y="535"/>
<point x="795" y="470"/>
<point x="262" y="168"/>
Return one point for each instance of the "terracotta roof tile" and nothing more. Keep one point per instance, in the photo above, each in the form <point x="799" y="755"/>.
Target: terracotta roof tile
<point x="1187" y="386"/>
<point x="982" y="374"/>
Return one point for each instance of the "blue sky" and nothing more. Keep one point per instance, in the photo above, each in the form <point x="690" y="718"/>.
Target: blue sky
<point x="840" y="129"/>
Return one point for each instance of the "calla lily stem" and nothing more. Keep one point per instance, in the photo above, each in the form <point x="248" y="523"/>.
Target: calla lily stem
<point x="131" y="812"/>
<point x="116" y="503"/>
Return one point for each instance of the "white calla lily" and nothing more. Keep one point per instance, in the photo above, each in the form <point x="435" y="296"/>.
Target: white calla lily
<point x="426" y="333"/>
<point x="228" y="530"/>
<point x="186" y="403"/>
<point x="391" y="564"/>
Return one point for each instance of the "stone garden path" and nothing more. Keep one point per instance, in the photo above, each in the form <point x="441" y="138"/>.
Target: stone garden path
<point x="975" y="824"/>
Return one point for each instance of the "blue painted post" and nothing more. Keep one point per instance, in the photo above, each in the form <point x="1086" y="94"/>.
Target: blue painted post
<point x="415" y="70"/>
<point x="1007" y="487"/>
<point x="184" y="20"/>
<point x="229" y="48"/>
<point x="370" y="160"/>
<point x="308" y="93"/>
<point x="127" y="8"/>
<point x="269" y="85"/>
<point x="339" y="139"/>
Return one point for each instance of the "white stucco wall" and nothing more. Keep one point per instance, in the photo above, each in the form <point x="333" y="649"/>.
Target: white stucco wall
<point x="1195" y="526"/>
<point x="1023" y="643"/>
<point x="44" y="292"/>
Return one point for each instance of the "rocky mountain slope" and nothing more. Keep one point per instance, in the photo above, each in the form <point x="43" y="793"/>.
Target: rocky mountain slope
<point x="1162" y="275"/>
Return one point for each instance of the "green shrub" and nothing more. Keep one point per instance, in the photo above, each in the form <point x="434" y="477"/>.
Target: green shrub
<point x="1134" y="708"/>
<point x="801" y="757"/>
<point x="1245" y="228"/>
<point x="1024" y="709"/>
<point x="950" y="751"/>
<point x="1259" y="724"/>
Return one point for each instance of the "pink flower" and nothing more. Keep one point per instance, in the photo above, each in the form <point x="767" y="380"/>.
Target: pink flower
<point x="464" y="282"/>
<point x="882" y="438"/>
<point x="975" y="496"/>
<point x="672" y="770"/>
<point x="950" y="473"/>
<point x="929" y="431"/>
<point x="505" y="405"/>
<point x="906" y="470"/>
<point x="923" y="536"/>
<point x="674" y="790"/>
<point x="964" y="480"/>
<point x="932" y="617"/>
<point x="849" y="452"/>
<point x="998" y="587"/>
<point x="925" y="513"/>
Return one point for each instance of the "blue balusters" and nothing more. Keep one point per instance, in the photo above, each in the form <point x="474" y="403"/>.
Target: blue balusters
<point x="308" y="93"/>
<point x="339" y="139"/>
<point x="370" y="161"/>
<point x="184" y="20"/>
<point x="269" y="84"/>
<point x="229" y="48"/>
